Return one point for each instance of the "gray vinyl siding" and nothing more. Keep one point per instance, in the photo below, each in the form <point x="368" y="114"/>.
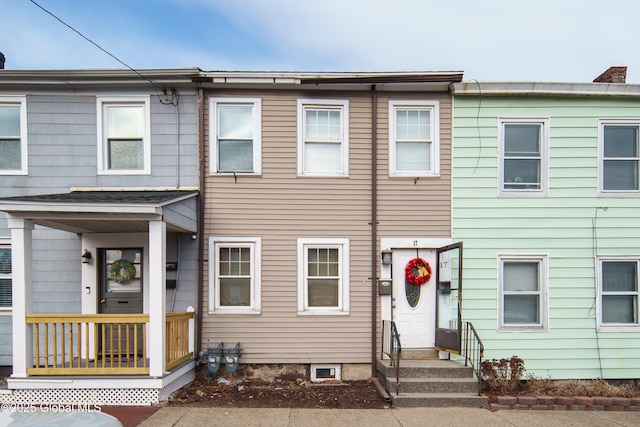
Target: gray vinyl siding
<point x="62" y="148"/>
<point x="280" y="207"/>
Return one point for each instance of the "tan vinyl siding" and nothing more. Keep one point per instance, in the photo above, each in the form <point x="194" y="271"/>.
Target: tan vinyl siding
<point x="279" y="207"/>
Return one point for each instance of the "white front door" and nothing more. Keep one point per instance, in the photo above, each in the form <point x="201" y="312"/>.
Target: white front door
<point x="414" y="307"/>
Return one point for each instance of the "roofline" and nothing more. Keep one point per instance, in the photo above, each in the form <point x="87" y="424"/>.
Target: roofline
<point x="473" y="88"/>
<point x="71" y="77"/>
<point x="410" y="80"/>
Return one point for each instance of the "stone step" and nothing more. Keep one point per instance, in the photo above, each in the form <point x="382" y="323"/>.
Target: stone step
<point x="438" y="400"/>
<point x="420" y="354"/>
<point x="433" y="385"/>
<point x="426" y="369"/>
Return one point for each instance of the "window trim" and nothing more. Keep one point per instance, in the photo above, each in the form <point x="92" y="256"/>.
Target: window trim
<point x="543" y="262"/>
<point x="101" y="103"/>
<point x="434" y="107"/>
<point x="257" y="134"/>
<point x="6" y="242"/>
<point x="255" y="243"/>
<point x="613" y="193"/>
<point x="544" y="123"/>
<point x="21" y="101"/>
<point x="344" y="284"/>
<point x="343" y="106"/>
<point x="616" y="327"/>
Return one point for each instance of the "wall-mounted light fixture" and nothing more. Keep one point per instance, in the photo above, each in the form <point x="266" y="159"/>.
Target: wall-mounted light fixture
<point x="386" y="257"/>
<point x="86" y="257"/>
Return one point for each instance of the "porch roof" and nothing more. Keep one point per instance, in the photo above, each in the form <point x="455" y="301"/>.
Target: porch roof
<point x="107" y="211"/>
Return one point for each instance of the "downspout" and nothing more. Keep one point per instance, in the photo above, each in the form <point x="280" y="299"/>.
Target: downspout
<point x="374" y="240"/>
<point x="200" y="234"/>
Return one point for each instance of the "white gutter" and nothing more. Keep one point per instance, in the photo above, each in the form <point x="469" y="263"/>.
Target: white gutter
<point x="543" y="88"/>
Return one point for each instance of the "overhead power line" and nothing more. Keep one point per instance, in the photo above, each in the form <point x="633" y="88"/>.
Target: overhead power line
<point x="102" y="49"/>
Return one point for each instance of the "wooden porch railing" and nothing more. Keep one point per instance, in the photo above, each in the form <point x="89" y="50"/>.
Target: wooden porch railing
<point x="102" y="344"/>
<point x="178" y="335"/>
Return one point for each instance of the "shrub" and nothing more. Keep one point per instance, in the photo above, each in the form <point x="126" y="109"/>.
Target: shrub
<point x="502" y="376"/>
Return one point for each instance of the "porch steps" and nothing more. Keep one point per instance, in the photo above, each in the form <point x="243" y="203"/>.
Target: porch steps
<point x="431" y="383"/>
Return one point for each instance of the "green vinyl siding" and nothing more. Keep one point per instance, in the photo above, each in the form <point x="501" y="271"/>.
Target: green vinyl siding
<point x="570" y="226"/>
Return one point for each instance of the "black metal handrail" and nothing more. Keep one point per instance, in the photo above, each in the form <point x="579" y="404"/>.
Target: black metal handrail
<point x="391" y="347"/>
<point x="473" y="352"/>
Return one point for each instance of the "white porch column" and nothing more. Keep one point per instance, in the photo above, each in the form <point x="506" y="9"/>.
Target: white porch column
<point x="21" y="260"/>
<point x="157" y="297"/>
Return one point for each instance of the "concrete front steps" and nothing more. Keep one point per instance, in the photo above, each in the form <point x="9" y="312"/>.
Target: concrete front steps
<point x="431" y="383"/>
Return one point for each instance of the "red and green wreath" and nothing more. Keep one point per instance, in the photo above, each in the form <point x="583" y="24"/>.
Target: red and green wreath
<point x="122" y="271"/>
<point x="417" y="272"/>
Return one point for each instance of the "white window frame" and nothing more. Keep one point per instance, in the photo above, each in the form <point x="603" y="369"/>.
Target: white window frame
<point x="343" y="287"/>
<point x="544" y="123"/>
<point x="5" y="242"/>
<point x="102" y="103"/>
<point x="20" y="101"/>
<point x="256" y="103"/>
<point x="434" y="126"/>
<point x="339" y="104"/>
<point x="617" y="327"/>
<point x="543" y="286"/>
<point x="255" y="243"/>
<point x="601" y="125"/>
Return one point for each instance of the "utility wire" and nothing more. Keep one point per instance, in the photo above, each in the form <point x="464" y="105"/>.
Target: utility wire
<point x="100" y="47"/>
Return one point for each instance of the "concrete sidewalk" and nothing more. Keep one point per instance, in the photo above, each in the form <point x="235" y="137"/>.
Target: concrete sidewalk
<point x="400" y="417"/>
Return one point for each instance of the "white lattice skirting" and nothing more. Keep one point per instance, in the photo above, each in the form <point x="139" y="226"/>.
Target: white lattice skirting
<point x="125" y="396"/>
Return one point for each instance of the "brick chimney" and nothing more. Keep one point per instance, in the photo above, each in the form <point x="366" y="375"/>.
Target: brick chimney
<point x="612" y="75"/>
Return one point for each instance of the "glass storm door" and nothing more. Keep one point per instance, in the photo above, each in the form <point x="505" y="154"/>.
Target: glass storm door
<point x="449" y="298"/>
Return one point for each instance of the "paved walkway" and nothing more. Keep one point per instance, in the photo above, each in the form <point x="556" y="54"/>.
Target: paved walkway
<point x="400" y="417"/>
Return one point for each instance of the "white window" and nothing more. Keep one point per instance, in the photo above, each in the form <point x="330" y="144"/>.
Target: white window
<point x="619" y="157"/>
<point x="522" y="292"/>
<point x="524" y="157"/>
<point x="618" y="293"/>
<point x="13" y="136"/>
<point x="234" y="275"/>
<point x="236" y="136"/>
<point x="323" y="137"/>
<point x="5" y="275"/>
<point x="323" y="276"/>
<point x="414" y="138"/>
<point x="124" y="129"/>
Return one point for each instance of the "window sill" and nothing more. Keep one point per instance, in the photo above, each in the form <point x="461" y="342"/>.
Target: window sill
<point x="522" y="329"/>
<point x="124" y="172"/>
<point x="619" y="194"/>
<point x="6" y="311"/>
<point x="323" y="313"/>
<point x="234" y="311"/>
<point x="414" y="175"/>
<point x="619" y="328"/>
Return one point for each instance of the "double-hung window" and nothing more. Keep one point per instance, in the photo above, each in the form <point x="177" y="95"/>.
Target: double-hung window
<point x="323" y="137"/>
<point x="5" y="275"/>
<point x="236" y="145"/>
<point x="234" y="275"/>
<point x="524" y="157"/>
<point x="414" y="138"/>
<point x="522" y="292"/>
<point x="323" y="276"/>
<point x="124" y="142"/>
<point x="13" y="136"/>
<point x="618" y="293"/>
<point x="619" y="156"/>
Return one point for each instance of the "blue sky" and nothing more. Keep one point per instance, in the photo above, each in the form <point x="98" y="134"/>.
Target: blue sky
<point x="490" y="40"/>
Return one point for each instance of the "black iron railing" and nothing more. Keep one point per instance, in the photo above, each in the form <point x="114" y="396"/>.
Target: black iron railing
<point x="391" y="347"/>
<point x="473" y="352"/>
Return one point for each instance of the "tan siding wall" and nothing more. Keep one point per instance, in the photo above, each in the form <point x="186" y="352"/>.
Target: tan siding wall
<point x="279" y="207"/>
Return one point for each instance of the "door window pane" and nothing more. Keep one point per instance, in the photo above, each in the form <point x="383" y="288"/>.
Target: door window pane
<point x="5" y="278"/>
